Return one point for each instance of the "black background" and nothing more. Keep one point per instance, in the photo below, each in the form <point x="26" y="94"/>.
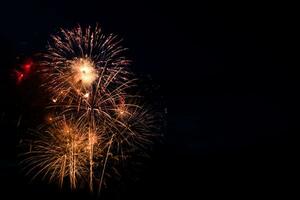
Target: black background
<point x="222" y="72"/>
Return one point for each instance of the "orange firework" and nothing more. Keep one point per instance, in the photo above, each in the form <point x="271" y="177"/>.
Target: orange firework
<point x="99" y="118"/>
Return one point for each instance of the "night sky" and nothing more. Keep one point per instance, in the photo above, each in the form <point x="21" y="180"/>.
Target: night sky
<point x="222" y="75"/>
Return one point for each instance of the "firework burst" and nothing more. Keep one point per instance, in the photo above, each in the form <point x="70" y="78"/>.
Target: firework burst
<point x="75" y="58"/>
<point x="98" y="119"/>
<point x="59" y="151"/>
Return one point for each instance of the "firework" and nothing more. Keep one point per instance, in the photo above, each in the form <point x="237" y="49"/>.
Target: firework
<point x="59" y="151"/>
<point x="75" y="58"/>
<point x="99" y="118"/>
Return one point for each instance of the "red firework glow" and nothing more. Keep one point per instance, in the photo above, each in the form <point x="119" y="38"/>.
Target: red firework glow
<point x="24" y="71"/>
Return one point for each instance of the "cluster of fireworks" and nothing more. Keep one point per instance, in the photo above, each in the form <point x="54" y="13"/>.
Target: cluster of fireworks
<point x="97" y="117"/>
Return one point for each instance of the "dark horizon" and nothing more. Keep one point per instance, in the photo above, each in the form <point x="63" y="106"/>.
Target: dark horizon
<point x="222" y="74"/>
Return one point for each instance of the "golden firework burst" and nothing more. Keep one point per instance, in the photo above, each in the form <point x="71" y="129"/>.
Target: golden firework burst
<point x="98" y="117"/>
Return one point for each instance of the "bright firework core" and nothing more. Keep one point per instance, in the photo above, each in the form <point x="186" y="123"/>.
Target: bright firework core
<point x="84" y="71"/>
